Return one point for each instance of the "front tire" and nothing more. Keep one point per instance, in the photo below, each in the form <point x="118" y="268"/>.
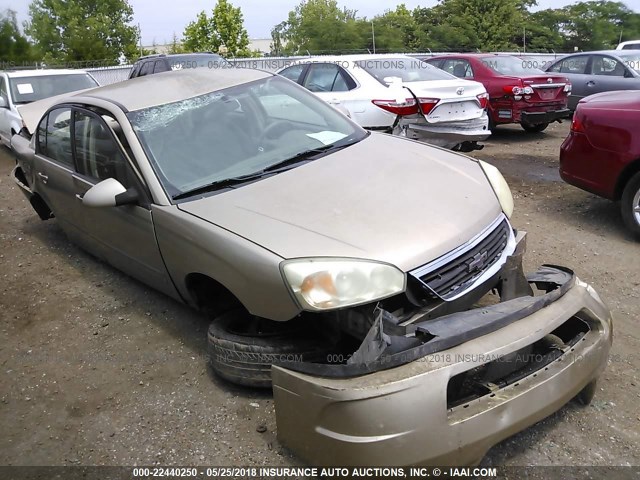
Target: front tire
<point x="534" y="128"/>
<point x="630" y="205"/>
<point x="243" y="347"/>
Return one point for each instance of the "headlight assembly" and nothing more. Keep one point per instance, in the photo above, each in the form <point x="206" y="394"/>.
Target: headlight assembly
<point x="500" y="186"/>
<point x="329" y="283"/>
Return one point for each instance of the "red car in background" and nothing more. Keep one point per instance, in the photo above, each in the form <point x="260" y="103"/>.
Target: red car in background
<point x="517" y="94"/>
<point x="602" y="152"/>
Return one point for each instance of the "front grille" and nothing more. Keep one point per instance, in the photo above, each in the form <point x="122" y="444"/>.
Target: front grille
<point x="460" y="272"/>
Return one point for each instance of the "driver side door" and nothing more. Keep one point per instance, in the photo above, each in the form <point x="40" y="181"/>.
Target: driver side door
<point x="123" y="235"/>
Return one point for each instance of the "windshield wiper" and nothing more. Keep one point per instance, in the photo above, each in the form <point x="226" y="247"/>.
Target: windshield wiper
<point x="311" y="154"/>
<point x="273" y="169"/>
<point x="219" y="184"/>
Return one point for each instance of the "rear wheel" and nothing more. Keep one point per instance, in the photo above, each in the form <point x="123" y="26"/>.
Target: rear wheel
<point x="630" y="205"/>
<point x="534" y="128"/>
<point x="587" y="393"/>
<point x="243" y="347"/>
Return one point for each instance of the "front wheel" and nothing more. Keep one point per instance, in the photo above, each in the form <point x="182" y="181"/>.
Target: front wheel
<point x="243" y="347"/>
<point x="630" y="205"/>
<point x="534" y="128"/>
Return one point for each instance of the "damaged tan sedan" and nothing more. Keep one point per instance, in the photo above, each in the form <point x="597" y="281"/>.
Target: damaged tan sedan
<point x="374" y="282"/>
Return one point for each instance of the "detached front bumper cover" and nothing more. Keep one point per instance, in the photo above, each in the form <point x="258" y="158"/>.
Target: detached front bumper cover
<point x="387" y="408"/>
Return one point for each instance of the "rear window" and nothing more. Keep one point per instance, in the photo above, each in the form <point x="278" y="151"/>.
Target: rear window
<point x="631" y="59"/>
<point x="30" y="89"/>
<point x="511" y="65"/>
<point x="408" y="69"/>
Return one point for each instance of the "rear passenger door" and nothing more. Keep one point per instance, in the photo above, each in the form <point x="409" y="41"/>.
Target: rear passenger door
<point x="576" y="68"/>
<point x="334" y="85"/>
<point x="610" y="74"/>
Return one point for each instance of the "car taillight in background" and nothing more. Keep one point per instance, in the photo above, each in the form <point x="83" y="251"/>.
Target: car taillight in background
<point x="567" y="89"/>
<point x="576" y="124"/>
<point x="483" y="99"/>
<point x="408" y="107"/>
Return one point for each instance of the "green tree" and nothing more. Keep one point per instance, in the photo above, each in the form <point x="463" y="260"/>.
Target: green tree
<point x="14" y="47"/>
<point x="77" y="30"/>
<point x="224" y="27"/>
<point x="395" y="31"/>
<point x="175" y="46"/>
<point x="488" y="25"/>
<point x="319" y="26"/>
<point x="596" y="25"/>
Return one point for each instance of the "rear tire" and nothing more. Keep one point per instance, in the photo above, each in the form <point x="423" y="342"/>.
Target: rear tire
<point x="534" y="128"/>
<point x="243" y="347"/>
<point x="630" y="205"/>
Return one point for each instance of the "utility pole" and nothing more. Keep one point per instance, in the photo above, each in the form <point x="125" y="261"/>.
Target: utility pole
<point x="373" y="36"/>
<point x="140" y="36"/>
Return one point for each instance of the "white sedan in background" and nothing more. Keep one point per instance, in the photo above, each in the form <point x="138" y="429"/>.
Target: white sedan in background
<point x="400" y="95"/>
<point x="20" y="87"/>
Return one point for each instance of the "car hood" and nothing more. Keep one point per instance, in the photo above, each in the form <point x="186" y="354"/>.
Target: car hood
<point x="384" y="198"/>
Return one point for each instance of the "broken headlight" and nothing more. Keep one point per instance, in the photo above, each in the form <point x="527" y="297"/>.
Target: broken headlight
<point x="500" y="186"/>
<point x="328" y="283"/>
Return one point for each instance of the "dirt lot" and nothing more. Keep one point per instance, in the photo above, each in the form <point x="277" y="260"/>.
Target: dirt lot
<point x="98" y="369"/>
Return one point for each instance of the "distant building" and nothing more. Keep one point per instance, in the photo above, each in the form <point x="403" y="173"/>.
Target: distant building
<point x="263" y="45"/>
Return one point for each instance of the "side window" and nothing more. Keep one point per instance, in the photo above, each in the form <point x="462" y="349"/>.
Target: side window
<point x="574" y="64"/>
<point x="160" y="66"/>
<point x="3" y="89"/>
<point x="293" y="72"/>
<point x="325" y="77"/>
<point x="602" y="65"/>
<point x="458" y="68"/>
<point x="97" y="154"/>
<point x="54" y="136"/>
<point x="146" y="69"/>
<point x="135" y="71"/>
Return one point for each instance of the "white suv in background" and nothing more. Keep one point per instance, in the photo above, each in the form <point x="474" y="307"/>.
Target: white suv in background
<point x="630" y="45"/>
<point x="19" y="87"/>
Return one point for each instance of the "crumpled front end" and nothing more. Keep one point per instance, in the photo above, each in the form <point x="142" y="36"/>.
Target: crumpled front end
<point x="444" y="390"/>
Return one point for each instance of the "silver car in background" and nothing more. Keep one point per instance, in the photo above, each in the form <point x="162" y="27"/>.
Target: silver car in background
<point x="602" y="71"/>
<point x="350" y="271"/>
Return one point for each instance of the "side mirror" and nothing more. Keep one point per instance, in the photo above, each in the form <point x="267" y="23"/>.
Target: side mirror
<point x="3" y="102"/>
<point x="109" y="193"/>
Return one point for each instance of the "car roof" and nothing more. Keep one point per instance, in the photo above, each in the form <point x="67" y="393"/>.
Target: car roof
<point x="154" y="56"/>
<point x="43" y="72"/>
<point x="168" y="87"/>
<point x="352" y="58"/>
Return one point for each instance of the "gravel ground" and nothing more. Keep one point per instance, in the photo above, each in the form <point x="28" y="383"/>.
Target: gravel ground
<point x="97" y="369"/>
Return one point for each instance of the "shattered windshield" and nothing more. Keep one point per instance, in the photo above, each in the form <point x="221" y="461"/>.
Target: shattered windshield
<point x="237" y="132"/>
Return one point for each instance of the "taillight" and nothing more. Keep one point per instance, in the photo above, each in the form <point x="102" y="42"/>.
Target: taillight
<point x="567" y="88"/>
<point x="408" y="107"/>
<point x="576" y="124"/>
<point x="483" y="99"/>
<point x="427" y="104"/>
<point x="513" y="90"/>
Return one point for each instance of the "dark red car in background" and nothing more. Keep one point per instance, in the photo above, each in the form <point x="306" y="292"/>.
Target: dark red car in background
<point x="602" y="152"/>
<point x="517" y="94"/>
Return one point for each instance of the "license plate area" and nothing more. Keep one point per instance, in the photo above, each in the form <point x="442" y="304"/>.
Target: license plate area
<point x="452" y="111"/>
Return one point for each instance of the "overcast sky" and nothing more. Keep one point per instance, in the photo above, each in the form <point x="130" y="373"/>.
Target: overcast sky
<point x="159" y="19"/>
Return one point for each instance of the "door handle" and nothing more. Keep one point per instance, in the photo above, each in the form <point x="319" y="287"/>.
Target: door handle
<point x="43" y="177"/>
<point x="591" y="83"/>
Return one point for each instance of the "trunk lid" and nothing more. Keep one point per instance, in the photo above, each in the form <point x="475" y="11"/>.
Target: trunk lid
<point x="458" y="99"/>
